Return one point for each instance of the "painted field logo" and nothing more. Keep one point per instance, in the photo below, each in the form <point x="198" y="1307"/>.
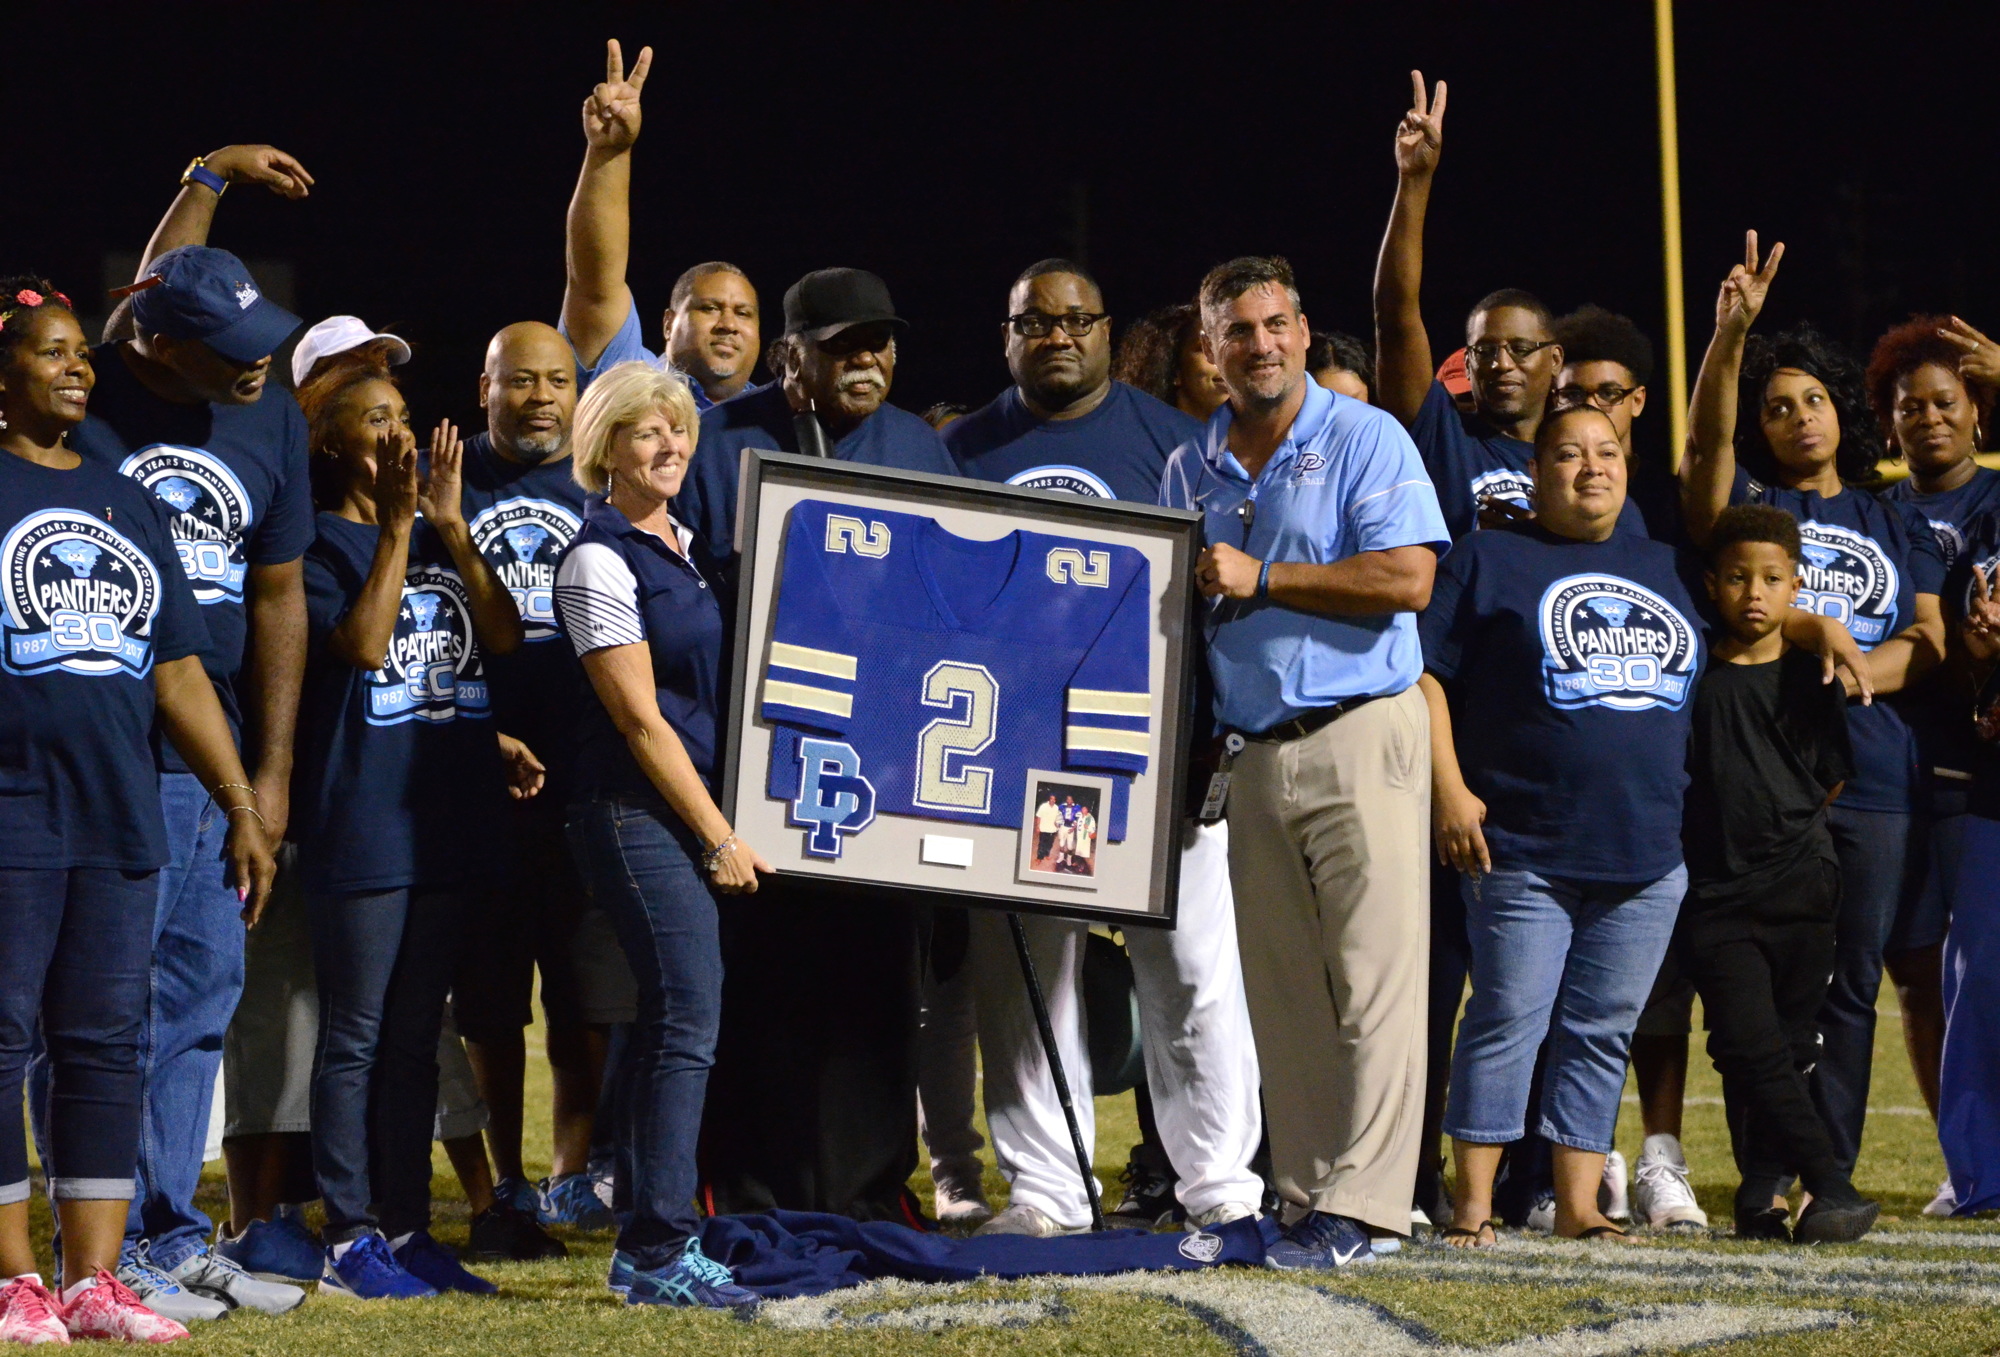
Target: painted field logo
<point x="211" y="515"/>
<point x="521" y="539"/>
<point x="78" y="596"/>
<point x="1609" y="642"/>
<point x="1849" y="578"/>
<point x="1515" y="487"/>
<point x="1073" y="480"/>
<point x="435" y="671"/>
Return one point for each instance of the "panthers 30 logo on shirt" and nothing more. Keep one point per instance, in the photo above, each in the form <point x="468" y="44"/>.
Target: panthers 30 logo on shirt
<point x="1608" y="642"/>
<point x="1848" y="577"/>
<point x="521" y="539"/>
<point x="1072" y="480"/>
<point x="211" y="515"/>
<point x="1515" y="487"/>
<point x="434" y="672"/>
<point x="79" y="596"/>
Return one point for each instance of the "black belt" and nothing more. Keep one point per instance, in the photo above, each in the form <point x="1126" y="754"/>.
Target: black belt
<point x="1301" y="726"/>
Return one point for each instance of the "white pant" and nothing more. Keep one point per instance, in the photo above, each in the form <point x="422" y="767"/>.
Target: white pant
<point x="1201" y="1060"/>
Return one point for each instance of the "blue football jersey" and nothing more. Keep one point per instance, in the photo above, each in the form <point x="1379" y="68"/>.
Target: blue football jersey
<point x="915" y="672"/>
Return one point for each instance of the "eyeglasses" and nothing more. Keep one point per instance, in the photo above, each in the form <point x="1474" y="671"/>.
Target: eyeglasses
<point x="1603" y="397"/>
<point x="1487" y="351"/>
<point x="1038" y="324"/>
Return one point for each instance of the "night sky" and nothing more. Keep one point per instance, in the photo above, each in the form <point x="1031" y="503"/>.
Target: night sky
<point x="946" y="146"/>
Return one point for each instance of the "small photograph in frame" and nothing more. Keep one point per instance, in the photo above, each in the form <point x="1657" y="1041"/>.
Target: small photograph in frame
<point x="1062" y="828"/>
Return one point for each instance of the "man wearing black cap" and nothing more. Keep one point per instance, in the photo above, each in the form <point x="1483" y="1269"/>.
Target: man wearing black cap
<point x="182" y="409"/>
<point x="835" y="364"/>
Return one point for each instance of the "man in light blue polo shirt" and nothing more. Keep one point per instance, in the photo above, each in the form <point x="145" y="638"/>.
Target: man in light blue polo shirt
<point x="1323" y="536"/>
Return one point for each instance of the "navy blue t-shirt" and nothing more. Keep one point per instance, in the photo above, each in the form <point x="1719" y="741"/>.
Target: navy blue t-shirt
<point x="1469" y="461"/>
<point x="763" y="419"/>
<point x="398" y="778"/>
<point x="91" y="598"/>
<point x="523" y="518"/>
<point x="235" y="483"/>
<point x="1866" y="560"/>
<point x="620" y="585"/>
<point x="1973" y="731"/>
<point x="1117" y="451"/>
<point x="1569" y="667"/>
<point x="1950" y="511"/>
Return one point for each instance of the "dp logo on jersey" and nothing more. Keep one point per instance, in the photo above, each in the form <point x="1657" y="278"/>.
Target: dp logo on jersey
<point x="521" y="539"/>
<point x="1607" y="642"/>
<point x="1849" y="578"/>
<point x="834" y="799"/>
<point x="210" y="514"/>
<point x="78" y="596"/>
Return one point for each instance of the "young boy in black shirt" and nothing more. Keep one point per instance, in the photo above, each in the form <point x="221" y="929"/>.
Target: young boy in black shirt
<point x="1768" y="754"/>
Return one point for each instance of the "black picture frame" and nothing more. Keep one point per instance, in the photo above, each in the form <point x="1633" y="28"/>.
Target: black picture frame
<point x="1039" y="510"/>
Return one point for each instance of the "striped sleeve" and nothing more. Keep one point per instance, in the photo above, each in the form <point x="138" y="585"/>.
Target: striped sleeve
<point x="1108" y="716"/>
<point x="809" y="672"/>
<point x="597" y="599"/>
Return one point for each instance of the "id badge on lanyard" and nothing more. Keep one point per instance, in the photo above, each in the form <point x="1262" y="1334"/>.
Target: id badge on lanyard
<point x="1217" y="798"/>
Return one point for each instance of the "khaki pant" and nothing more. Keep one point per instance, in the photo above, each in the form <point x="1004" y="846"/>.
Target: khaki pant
<point x="1329" y="838"/>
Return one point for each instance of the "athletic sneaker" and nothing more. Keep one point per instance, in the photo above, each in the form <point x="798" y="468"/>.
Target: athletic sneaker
<point x="30" y="1314"/>
<point x="105" y="1307"/>
<point x="1772" y="1224"/>
<point x="1023" y="1219"/>
<point x="1217" y="1216"/>
<point x="208" y="1274"/>
<point x="1944" y="1203"/>
<point x="1149" y="1202"/>
<point x="431" y="1262"/>
<point x="281" y="1249"/>
<point x="1661" y="1195"/>
<point x="1542" y="1215"/>
<point x="623" y="1270"/>
<point x="502" y="1233"/>
<point x="366" y="1270"/>
<point x="518" y="1193"/>
<point x="961" y="1206"/>
<point x="163" y="1295"/>
<point x="1613" y="1201"/>
<point x="1824" y="1222"/>
<point x="1320" y="1241"/>
<point x="572" y="1200"/>
<point x="691" y="1280"/>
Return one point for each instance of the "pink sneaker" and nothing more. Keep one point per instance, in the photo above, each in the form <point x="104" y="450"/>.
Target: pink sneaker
<point x="110" y="1310"/>
<point x="30" y="1314"/>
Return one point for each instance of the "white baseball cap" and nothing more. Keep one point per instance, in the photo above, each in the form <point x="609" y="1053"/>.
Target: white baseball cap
<point x="338" y="334"/>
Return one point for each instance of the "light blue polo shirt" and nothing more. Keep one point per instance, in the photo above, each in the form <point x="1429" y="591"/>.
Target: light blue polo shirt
<point x="1347" y="479"/>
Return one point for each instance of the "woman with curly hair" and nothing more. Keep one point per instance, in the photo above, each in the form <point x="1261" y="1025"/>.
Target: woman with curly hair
<point x="1931" y="381"/>
<point x="1161" y="355"/>
<point x="1785" y="421"/>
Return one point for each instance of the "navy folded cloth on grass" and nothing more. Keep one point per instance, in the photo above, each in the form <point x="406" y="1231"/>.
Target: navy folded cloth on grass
<point x="802" y="1253"/>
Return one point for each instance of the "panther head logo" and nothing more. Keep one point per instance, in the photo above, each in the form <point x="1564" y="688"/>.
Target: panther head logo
<point x="179" y="492"/>
<point x="80" y="557"/>
<point x="1820" y="554"/>
<point x="525" y="540"/>
<point x="1612" y="610"/>
<point x="424" y="608"/>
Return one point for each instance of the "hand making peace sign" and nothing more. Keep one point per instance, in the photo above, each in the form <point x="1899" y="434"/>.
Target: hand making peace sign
<point x="1420" y="136"/>
<point x="611" y="113"/>
<point x="1744" y="290"/>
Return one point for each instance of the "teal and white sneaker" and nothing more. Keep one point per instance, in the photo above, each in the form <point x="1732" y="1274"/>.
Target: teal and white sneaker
<point x="693" y="1280"/>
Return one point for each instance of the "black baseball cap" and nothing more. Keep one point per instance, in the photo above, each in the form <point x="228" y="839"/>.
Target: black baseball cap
<point x="198" y="292"/>
<point x="827" y="301"/>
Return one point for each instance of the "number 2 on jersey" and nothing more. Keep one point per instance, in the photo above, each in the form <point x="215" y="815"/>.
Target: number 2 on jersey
<point x="941" y="785"/>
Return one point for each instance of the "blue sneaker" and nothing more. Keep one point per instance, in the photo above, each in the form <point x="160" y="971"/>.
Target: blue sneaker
<point x="1320" y="1241"/>
<point x="281" y="1250"/>
<point x="691" y="1280"/>
<point x="429" y="1261"/>
<point x="572" y="1200"/>
<point x="368" y="1271"/>
<point x="623" y="1270"/>
<point x="519" y="1194"/>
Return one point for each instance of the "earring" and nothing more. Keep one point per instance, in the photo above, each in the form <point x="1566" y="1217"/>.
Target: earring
<point x="3" y="421"/>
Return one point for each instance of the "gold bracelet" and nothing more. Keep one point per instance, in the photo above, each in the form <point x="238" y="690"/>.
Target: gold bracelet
<point x="231" y="810"/>
<point x="239" y="786"/>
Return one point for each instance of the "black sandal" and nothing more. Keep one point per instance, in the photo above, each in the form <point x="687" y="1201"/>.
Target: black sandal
<point x="1451" y="1232"/>
<point x="1604" y="1232"/>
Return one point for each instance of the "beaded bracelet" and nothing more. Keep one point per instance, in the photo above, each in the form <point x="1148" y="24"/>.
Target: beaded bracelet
<point x="714" y="856"/>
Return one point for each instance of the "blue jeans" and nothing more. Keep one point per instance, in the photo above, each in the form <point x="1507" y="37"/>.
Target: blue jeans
<point x="74" y="967"/>
<point x="643" y="869"/>
<point x="1876" y="870"/>
<point x="1586" y="951"/>
<point x="384" y="963"/>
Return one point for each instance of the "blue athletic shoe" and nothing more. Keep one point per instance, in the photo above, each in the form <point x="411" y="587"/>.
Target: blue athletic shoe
<point x="368" y="1271"/>
<point x="572" y="1200"/>
<point x="280" y="1250"/>
<point x="691" y="1280"/>
<point x="1320" y="1241"/>
<point x="623" y="1270"/>
<point x="432" y="1263"/>
<point x="519" y="1194"/>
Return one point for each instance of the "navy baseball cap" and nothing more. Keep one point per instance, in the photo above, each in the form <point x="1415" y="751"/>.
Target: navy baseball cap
<point x="827" y="301"/>
<point x="198" y="292"/>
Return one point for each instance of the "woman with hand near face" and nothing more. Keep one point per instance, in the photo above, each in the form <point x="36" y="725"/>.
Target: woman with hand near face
<point x="399" y="778"/>
<point x="635" y="594"/>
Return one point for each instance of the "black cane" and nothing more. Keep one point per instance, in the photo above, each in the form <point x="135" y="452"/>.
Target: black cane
<point x="1056" y="1068"/>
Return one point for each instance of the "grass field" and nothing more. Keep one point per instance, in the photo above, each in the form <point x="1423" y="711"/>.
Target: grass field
<point x="1916" y="1286"/>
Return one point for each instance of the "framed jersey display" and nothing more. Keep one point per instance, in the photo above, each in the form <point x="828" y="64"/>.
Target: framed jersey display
<point x="954" y="688"/>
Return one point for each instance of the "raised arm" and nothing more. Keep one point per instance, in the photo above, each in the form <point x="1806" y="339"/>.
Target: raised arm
<point x="362" y="637"/>
<point x="1709" y="467"/>
<point x="496" y="618"/>
<point x="1403" y="367"/>
<point x="598" y="238"/>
